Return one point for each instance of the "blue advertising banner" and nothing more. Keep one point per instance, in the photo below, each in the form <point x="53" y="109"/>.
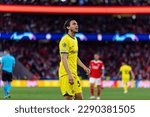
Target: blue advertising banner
<point x="80" y="36"/>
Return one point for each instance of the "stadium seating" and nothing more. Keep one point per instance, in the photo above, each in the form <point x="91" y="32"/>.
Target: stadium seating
<point x="42" y="58"/>
<point x="46" y="23"/>
<point x="79" y="2"/>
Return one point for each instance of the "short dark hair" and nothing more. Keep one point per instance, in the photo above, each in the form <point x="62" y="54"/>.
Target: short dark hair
<point x="7" y="49"/>
<point x="97" y="53"/>
<point x="67" y="23"/>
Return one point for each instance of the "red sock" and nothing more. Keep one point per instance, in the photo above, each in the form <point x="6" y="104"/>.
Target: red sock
<point x="98" y="91"/>
<point x="92" y="90"/>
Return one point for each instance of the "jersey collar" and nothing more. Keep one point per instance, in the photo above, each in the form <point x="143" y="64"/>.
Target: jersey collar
<point x="71" y="36"/>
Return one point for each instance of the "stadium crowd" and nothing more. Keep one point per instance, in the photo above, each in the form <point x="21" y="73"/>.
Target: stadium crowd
<point x="46" y="23"/>
<point x="134" y="54"/>
<point x="79" y="2"/>
<point x="42" y="58"/>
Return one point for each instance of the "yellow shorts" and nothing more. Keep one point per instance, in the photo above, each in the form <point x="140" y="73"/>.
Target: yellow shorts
<point x="67" y="88"/>
<point x="125" y="79"/>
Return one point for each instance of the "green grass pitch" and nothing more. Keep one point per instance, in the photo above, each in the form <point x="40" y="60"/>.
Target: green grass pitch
<point x="50" y="93"/>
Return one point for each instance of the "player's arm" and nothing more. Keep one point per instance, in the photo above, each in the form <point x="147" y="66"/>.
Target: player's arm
<point x="0" y="66"/>
<point x="103" y="72"/>
<point x="66" y="66"/>
<point x="64" y="49"/>
<point x="118" y="75"/>
<point x="132" y="75"/>
<point x="86" y="69"/>
<point x="102" y="77"/>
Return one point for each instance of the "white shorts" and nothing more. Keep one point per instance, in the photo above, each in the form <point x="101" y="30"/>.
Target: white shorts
<point x="96" y="81"/>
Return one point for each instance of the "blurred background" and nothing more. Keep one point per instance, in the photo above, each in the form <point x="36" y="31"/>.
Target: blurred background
<point x="33" y="39"/>
<point x="80" y="2"/>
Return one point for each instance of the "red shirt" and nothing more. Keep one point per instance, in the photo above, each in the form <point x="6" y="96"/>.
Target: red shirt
<point x="96" y="68"/>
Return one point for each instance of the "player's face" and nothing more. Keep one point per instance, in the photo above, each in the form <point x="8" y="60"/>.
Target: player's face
<point x="5" y="52"/>
<point x="123" y="63"/>
<point x="96" y="57"/>
<point x="73" y="26"/>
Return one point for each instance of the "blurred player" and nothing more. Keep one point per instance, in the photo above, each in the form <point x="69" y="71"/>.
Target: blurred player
<point x="68" y="47"/>
<point x="7" y="64"/>
<point x="126" y="70"/>
<point x="96" y="75"/>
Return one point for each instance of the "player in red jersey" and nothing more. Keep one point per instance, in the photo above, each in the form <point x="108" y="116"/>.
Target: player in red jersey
<point x="96" y="75"/>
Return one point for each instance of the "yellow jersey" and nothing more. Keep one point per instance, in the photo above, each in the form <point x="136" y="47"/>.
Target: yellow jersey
<point x="68" y="45"/>
<point x="125" y="70"/>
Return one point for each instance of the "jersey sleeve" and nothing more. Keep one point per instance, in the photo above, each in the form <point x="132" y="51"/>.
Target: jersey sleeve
<point x="130" y="68"/>
<point x="64" y="45"/>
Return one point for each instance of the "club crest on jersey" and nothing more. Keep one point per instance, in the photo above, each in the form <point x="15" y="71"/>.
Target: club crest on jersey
<point x="64" y="44"/>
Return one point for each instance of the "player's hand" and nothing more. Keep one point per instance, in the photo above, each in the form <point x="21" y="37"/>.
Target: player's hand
<point x="70" y="78"/>
<point x="133" y="78"/>
<point x="103" y="76"/>
<point x="118" y="76"/>
<point x="87" y="70"/>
